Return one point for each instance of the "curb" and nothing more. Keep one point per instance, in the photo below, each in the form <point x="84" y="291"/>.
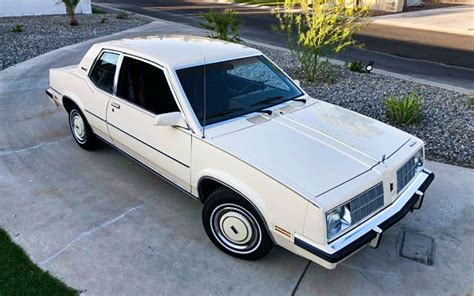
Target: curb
<point x="394" y="23"/>
<point x="251" y="5"/>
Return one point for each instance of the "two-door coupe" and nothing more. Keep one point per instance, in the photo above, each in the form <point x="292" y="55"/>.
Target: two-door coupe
<point x="227" y="126"/>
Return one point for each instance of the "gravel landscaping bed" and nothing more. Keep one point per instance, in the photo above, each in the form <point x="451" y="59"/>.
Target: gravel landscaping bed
<point x="45" y="33"/>
<point x="447" y="126"/>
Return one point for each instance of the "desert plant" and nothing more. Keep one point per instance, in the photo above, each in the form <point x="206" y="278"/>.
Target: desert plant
<point x="123" y="16"/>
<point x="224" y="25"/>
<point x="405" y="109"/>
<point x="357" y="66"/>
<point x="17" y="28"/>
<point x="470" y="102"/>
<point x="71" y="10"/>
<point x="324" y="30"/>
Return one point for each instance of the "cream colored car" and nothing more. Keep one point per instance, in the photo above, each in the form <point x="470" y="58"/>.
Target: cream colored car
<point x="224" y="124"/>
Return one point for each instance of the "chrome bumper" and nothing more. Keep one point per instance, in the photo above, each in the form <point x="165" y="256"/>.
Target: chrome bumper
<point x="371" y="231"/>
<point x="54" y="96"/>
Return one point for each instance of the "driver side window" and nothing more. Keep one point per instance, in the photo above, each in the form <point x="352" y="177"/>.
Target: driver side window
<point x="146" y="86"/>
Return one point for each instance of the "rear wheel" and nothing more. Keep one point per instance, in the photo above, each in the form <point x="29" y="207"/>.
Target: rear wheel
<point x="234" y="226"/>
<point x="80" y="129"/>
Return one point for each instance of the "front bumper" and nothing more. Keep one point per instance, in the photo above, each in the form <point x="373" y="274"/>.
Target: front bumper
<point x="54" y="96"/>
<point x="371" y="230"/>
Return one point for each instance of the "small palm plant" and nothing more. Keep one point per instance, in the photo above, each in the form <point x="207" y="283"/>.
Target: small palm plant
<point x="224" y="25"/>
<point x="70" y="10"/>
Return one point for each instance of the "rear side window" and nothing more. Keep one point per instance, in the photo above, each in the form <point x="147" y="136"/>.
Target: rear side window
<point x="104" y="71"/>
<point x="146" y="86"/>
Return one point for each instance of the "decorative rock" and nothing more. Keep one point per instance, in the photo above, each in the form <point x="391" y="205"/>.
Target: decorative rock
<point x="45" y="33"/>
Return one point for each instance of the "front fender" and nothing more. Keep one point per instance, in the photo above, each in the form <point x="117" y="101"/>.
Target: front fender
<point x="233" y="183"/>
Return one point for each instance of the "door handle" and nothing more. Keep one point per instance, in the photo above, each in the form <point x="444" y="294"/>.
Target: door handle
<point x="115" y="105"/>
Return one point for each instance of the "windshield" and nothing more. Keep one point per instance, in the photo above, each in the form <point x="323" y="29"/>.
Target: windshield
<point x="235" y="88"/>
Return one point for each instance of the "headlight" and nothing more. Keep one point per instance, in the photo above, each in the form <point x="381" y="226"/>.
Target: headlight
<point x="337" y="220"/>
<point x="419" y="158"/>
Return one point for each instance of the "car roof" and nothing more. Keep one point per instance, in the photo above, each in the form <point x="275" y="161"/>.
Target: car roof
<point x="179" y="51"/>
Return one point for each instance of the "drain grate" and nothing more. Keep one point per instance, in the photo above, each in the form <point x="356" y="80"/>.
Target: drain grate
<point x="417" y="247"/>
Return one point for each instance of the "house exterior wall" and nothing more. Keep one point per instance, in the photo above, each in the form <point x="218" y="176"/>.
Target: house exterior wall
<point x="39" y="7"/>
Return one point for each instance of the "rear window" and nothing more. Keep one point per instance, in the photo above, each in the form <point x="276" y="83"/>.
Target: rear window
<point x="104" y="71"/>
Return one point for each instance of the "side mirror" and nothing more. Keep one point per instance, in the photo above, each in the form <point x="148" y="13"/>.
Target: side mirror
<point x="170" y="119"/>
<point x="297" y="82"/>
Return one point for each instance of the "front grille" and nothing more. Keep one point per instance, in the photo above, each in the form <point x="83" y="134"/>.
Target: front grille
<point x="405" y="174"/>
<point x="365" y="203"/>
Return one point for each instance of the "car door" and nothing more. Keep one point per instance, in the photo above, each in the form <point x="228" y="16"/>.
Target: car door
<point x="101" y="82"/>
<point x="143" y="92"/>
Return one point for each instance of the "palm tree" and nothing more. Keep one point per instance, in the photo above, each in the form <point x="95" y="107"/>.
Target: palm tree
<point x="70" y="10"/>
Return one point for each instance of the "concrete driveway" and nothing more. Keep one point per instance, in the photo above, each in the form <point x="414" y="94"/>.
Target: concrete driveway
<point x="105" y="225"/>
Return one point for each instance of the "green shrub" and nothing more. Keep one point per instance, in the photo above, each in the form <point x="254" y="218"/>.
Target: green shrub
<point x="224" y="26"/>
<point x="324" y="30"/>
<point x="17" y="28"/>
<point x="404" y="109"/>
<point x="123" y="16"/>
<point x="357" y="66"/>
<point x="470" y="102"/>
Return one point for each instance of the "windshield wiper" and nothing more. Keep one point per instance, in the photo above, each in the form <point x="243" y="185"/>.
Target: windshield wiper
<point x="267" y="100"/>
<point x="266" y="111"/>
<point x="299" y="100"/>
<point x="224" y="112"/>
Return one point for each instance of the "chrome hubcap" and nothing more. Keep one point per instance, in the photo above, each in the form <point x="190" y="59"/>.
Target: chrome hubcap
<point x="78" y="126"/>
<point x="236" y="228"/>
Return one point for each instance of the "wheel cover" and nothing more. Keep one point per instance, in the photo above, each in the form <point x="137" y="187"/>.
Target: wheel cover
<point x="236" y="228"/>
<point x="78" y="127"/>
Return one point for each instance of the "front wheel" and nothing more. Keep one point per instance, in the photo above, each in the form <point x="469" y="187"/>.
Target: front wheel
<point x="80" y="129"/>
<point x="234" y="226"/>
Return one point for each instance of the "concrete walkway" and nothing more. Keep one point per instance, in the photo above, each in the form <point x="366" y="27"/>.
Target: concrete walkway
<point x="455" y="20"/>
<point x="107" y="226"/>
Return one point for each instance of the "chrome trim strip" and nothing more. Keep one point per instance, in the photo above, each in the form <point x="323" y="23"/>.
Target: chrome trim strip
<point x="148" y="145"/>
<point x="96" y="116"/>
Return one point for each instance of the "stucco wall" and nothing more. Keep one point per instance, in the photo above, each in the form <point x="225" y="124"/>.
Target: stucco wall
<point x="38" y="7"/>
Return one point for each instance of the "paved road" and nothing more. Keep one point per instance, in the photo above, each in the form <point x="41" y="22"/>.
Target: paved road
<point x="439" y="57"/>
<point x="103" y="224"/>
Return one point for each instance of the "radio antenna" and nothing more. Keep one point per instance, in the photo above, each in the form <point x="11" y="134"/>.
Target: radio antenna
<point x="204" y="94"/>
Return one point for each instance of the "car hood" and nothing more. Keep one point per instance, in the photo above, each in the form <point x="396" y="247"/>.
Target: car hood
<point x="316" y="148"/>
